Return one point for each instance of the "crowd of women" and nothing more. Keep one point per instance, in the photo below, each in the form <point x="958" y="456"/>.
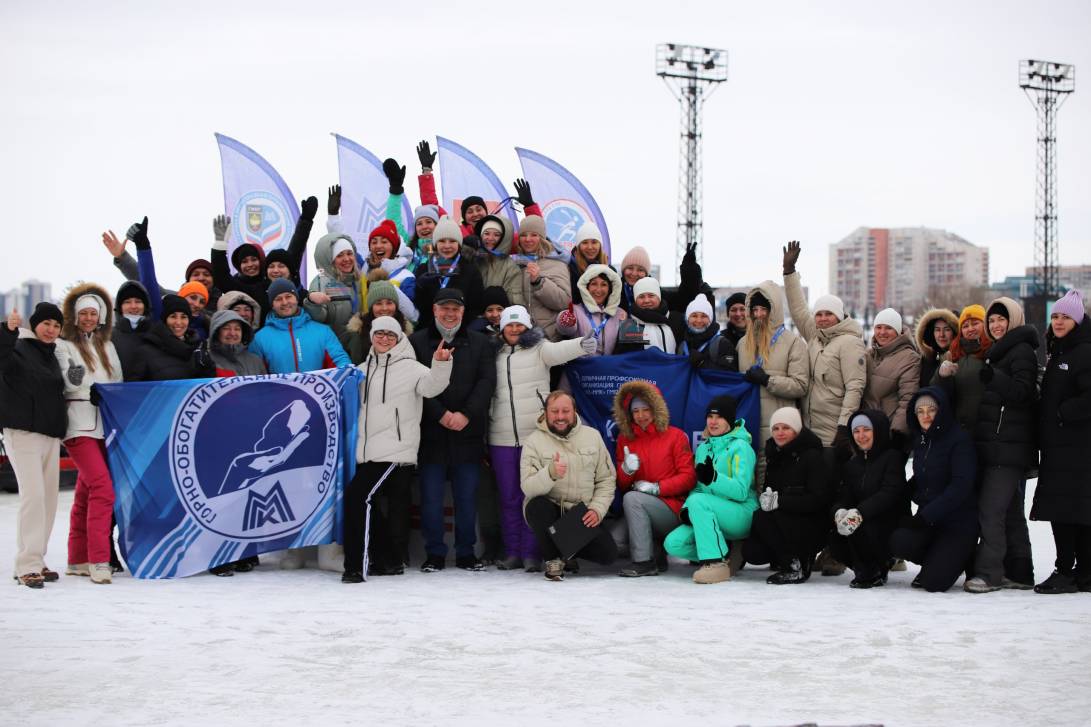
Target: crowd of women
<point x="462" y="327"/>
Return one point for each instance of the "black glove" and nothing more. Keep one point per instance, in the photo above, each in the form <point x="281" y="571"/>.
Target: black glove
<point x="522" y="192"/>
<point x="202" y="358"/>
<point x="689" y="270"/>
<point x="96" y="397"/>
<point x="309" y="207"/>
<point x="843" y="438"/>
<point x="986" y="374"/>
<point x="472" y="241"/>
<point x="696" y="358"/>
<point x="138" y="233"/>
<point x="756" y="375"/>
<point x="333" y="200"/>
<point x="791" y="256"/>
<point x="426" y="155"/>
<point x="395" y="175"/>
<point x="706" y="472"/>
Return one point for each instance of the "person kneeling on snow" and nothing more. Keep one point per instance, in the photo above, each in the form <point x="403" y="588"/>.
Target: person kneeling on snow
<point x="942" y="535"/>
<point x="565" y="463"/>
<point x="872" y="498"/>
<point x="655" y="473"/>
<point x="719" y="509"/>
<point x="792" y="524"/>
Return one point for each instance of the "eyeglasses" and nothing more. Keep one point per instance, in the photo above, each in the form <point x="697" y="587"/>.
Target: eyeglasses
<point x="384" y="334"/>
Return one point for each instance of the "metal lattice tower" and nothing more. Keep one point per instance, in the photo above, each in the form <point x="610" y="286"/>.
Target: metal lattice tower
<point x="1047" y="85"/>
<point x="688" y="71"/>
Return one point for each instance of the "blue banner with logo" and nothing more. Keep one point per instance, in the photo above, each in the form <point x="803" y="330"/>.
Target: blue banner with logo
<point x="263" y="210"/>
<point x="463" y="174"/>
<point x="566" y="204"/>
<point x="364" y="191"/>
<point x="209" y="471"/>
<point x="687" y="391"/>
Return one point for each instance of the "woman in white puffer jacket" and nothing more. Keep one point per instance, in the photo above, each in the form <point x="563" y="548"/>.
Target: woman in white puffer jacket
<point x="523" y="360"/>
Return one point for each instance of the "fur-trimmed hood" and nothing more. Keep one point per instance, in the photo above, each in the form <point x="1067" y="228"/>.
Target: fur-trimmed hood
<point x="529" y="338"/>
<point x="775" y="295"/>
<point x="926" y="342"/>
<point x="233" y="297"/>
<point x="69" y="330"/>
<point x="613" y="300"/>
<point x="648" y="392"/>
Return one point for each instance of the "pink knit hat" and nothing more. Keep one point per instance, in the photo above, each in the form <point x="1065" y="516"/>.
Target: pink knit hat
<point x="1071" y="304"/>
<point x="637" y="256"/>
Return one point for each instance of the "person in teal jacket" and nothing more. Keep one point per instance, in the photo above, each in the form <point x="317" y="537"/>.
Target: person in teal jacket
<point x="719" y="509"/>
<point x="291" y="340"/>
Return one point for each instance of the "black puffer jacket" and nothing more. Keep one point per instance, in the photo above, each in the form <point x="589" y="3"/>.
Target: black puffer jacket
<point x="944" y="466"/>
<point x="1004" y="431"/>
<point x="168" y="358"/>
<point x="712" y="348"/>
<point x="128" y="338"/>
<point x="873" y="482"/>
<point x="798" y="474"/>
<point x="31" y="385"/>
<point x="1064" y="430"/>
<point x="473" y="379"/>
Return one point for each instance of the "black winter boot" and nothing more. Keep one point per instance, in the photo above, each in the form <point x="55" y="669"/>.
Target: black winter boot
<point x="1058" y="582"/>
<point x="790" y="575"/>
<point x="636" y="570"/>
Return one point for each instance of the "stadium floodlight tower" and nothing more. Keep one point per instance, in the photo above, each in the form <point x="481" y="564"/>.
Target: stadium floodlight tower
<point x="689" y="71"/>
<point x="1047" y="85"/>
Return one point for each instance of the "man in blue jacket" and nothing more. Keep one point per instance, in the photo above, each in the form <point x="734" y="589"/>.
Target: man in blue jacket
<point x="290" y="341"/>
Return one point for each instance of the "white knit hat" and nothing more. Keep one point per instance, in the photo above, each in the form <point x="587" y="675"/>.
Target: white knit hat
<point x="787" y="415"/>
<point x="889" y="317"/>
<point x="647" y="285"/>
<point x="386" y="323"/>
<point x="699" y="304"/>
<point x="446" y="229"/>
<point x="833" y="304"/>
<point x="90" y="300"/>
<point x="515" y="314"/>
<point x="339" y="246"/>
<point x="588" y="231"/>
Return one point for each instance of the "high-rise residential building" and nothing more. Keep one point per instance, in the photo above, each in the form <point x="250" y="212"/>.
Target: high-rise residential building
<point x="29" y="294"/>
<point x="902" y="267"/>
<point x="1070" y="277"/>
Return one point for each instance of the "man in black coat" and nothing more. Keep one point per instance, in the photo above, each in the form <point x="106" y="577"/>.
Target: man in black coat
<point x="453" y="430"/>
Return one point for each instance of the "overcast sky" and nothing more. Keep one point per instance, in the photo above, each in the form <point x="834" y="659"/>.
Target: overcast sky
<point x="835" y="115"/>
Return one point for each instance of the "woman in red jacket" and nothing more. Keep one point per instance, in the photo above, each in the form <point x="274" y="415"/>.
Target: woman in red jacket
<point x="654" y="471"/>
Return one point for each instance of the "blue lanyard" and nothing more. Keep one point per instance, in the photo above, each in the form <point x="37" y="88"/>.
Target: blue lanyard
<point x="773" y="342"/>
<point x="596" y="329"/>
<point x="685" y="344"/>
<point x="447" y="277"/>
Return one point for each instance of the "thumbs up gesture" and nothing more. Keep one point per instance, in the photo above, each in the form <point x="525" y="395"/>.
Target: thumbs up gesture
<point x="630" y="463"/>
<point x="558" y="468"/>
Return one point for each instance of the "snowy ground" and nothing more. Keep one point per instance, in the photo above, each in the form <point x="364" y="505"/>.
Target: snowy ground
<point x="275" y="647"/>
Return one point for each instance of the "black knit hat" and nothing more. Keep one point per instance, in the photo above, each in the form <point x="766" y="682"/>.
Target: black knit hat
<point x="470" y="202"/>
<point x="173" y="304"/>
<point x="46" y="311"/>
<point x="247" y="250"/>
<point x="759" y="299"/>
<point x="132" y="289"/>
<point x="735" y="298"/>
<point x="494" y="295"/>
<point x="725" y="405"/>
<point x="280" y="256"/>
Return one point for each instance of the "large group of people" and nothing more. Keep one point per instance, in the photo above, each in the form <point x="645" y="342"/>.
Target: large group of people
<point x="462" y="327"/>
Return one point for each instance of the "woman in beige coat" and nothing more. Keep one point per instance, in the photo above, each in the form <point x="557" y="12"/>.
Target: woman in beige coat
<point x="893" y="374"/>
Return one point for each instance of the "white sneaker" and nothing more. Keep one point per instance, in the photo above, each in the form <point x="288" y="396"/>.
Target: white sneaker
<point x="100" y="573"/>
<point x="978" y="585"/>
<point x="78" y="569"/>
<point x="293" y="559"/>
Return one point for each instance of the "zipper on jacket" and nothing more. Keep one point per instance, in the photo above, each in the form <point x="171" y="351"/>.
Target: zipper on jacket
<point x="398" y="423"/>
<point x="511" y="401"/>
<point x="1001" y="420"/>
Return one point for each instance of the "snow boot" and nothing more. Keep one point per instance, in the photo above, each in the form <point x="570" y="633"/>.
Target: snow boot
<point x="554" y="570"/>
<point x="352" y="576"/>
<point x="1058" y="582"/>
<point x="49" y="575"/>
<point x="791" y="575"/>
<point x="396" y="569"/>
<point x="715" y="572"/>
<point x="470" y="563"/>
<point x="78" y="569"/>
<point x="866" y="581"/>
<point x="30" y="580"/>
<point x="1008" y="583"/>
<point x="636" y="570"/>
<point x="433" y="563"/>
<point x="512" y="562"/>
<point x="977" y="584"/>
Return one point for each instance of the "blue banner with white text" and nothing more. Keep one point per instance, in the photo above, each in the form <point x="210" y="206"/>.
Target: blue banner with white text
<point x="209" y="471"/>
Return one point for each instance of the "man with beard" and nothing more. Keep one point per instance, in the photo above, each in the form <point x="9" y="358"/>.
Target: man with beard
<point x="453" y="429"/>
<point x="565" y="463"/>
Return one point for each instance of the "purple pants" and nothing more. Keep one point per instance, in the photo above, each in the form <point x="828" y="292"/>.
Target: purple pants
<point x="519" y="540"/>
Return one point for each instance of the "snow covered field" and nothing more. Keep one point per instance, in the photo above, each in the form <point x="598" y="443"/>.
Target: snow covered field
<point x="273" y="647"/>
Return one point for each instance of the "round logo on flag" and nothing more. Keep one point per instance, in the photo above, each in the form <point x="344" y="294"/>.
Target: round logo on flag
<point x="259" y="219"/>
<point x="256" y="464"/>
<point x="563" y="218"/>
